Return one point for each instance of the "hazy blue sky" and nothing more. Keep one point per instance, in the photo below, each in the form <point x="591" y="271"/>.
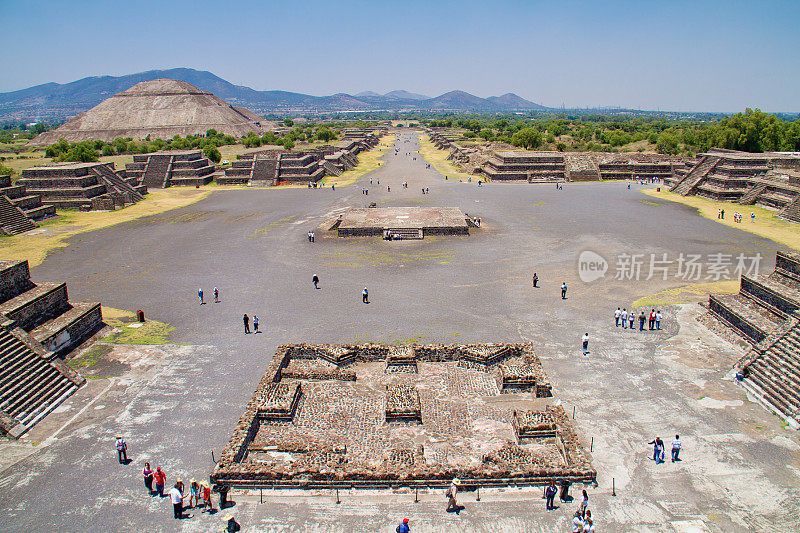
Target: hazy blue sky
<point x="675" y="55"/>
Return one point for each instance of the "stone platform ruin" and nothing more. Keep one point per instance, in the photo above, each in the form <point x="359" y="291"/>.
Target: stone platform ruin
<point x="402" y="222"/>
<point x="372" y="415"/>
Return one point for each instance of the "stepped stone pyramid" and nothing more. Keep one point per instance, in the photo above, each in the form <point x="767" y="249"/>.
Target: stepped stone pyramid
<point x="37" y="322"/>
<point x="18" y="209"/>
<point x="159" y="109"/>
<point x="160" y="170"/>
<point x="770" y="180"/>
<point x="766" y="313"/>
<point x="81" y="186"/>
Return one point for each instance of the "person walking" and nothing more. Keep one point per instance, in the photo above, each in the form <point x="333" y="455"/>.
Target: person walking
<point x="452" y="492"/>
<point x="200" y="295"/>
<point x="535" y="279"/>
<point x="624" y="317"/>
<point x="403" y="527"/>
<point x="147" y="473"/>
<point x="550" y="494"/>
<point x="656" y="442"/>
<point x="315" y="281"/>
<point x="564" y="290"/>
<point x="194" y="493"/>
<point x="617" y="315"/>
<point x="676" y="448"/>
<point x="588" y="525"/>
<point x="642" y="318"/>
<point x="122" y="450"/>
<point x="246" y="320"/>
<point x="585" y="343"/>
<point x="231" y="525"/>
<point x="365" y="296"/>
<point x="658" y="319"/>
<point x="216" y="295"/>
<point x="631" y="319"/>
<point x="584" y="504"/>
<point x="205" y="491"/>
<point x="652" y="319"/>
<point x="177" y="497"/>
<point x="255" y="324"/>
<point x="312" y="236"/>
<point x="160" y="478"/>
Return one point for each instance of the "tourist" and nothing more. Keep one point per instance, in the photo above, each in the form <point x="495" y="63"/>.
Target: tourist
<point x="657" y="449"/>
<point x="315" y="281"/>
<point x="588" y="524"/>
<point x="255" y="324"/>
<point x="148" y="478"/>
<point x="752" y="217"/>
<point x="577" y="522"/>
<point x="631" y="319"/>
<point x="231" y="525"/>
<point x="177" y="497"/>
<point x="584" y="504"/>
<point x="308" y="234"/>
<point x="206" y="493"/>
<point x="722" y="214"/>
<point x="535" y="279"/>
<point x="564" y="290"/>
<point x="246" y="320"/>
<point x="160" y="478"/>
<point x="652" y="319"/>
<point x="194" y="493"/>
<point x="427" y="190"/>
<point x="403" y="527"/>
<point x="388" y="188"/>
<point x="617" y="315"/>
<point x="122" y="450"/>
<point x="365" y="296"/>
<point x="624" y="317"/>
<point x="216" y="295"/>
<point x="658" y="319"/>
<point x="200" y="295"/>
<point x="642" y="319"/>
<point x="312" y="236"/>
<point x="550" y="494"/>
<point x="585" y="343"/>
<point x="676" y="448"/>
<point x="452" y="492"/>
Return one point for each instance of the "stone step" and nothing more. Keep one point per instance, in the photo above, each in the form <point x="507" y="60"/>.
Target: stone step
<point x="771" y="294"/>
<point x="12" y="219"/>
<point x="45" y="408"/>
<point x="36" y="305"/>
<point x="731" y="309"/>
<point x="69" y="328"/>
<point x="41" y="211"/>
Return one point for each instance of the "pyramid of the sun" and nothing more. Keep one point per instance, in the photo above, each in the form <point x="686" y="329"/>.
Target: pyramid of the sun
<point x="161" y="109"/>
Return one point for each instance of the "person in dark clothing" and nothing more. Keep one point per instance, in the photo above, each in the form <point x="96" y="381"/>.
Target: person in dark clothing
<point x="564" y="291"/>
<point x="315" y="280"/>
<point x="642" y="318"/>
<point x="535" y="279"/>
<point x="550" y="494"/>
<point x="246" y="320"/>
<point x="231" y="525"/>
<point x="365" y="296"/>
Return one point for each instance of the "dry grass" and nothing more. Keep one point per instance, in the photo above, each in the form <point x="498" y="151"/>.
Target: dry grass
<point x="688" y="294"/>
<point x="438" y="158"/>
<point x="367" y="162"/>
<point x="35" y="245"/>
<point x="767" y="224"/>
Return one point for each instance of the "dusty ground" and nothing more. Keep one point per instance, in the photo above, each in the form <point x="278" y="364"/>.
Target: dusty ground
<point x="176" y="403"/>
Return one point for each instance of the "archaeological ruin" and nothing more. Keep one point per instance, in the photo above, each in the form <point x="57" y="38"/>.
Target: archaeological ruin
<point x="38" y="323"/>
<point x="173" y="168"/>
<point x="770" y="180"/>
<point x="766" y="313"/>
<point x="19" y="210"/>
<point x="82" y="186"/>
<point x="157" y="109"/>
<point x="401" y="223"/>
<point x="374" y="415"/>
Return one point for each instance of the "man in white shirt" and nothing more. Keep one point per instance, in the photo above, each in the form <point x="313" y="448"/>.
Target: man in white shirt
<point x="177" y="500"/>
<point x="585" y="343"/>
<point x="624" y="317"/>
<point x="658" y="319"/>
<point x="676" y="448"/>
<point x="577" y="523"/>
<point x="617" y="314"/>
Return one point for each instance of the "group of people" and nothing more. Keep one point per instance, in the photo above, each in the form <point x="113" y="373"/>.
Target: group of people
<point x="659" y="447"/>
<point x="628" y="319"/>
<point x="582" y="521"/>
<point x="426" y="190"/>
<point x="200" y="295"/>
<point x="199" y="493"/>
<point x="246" y="320"/>
<point x="311" y="236"/>
<point x="737" y="217"/>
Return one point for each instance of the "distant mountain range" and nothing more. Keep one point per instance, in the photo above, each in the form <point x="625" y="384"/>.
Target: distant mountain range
<point x="53" y="100"/>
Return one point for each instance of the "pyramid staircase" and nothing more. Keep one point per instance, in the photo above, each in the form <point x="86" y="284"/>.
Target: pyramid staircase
<point x="13" y="219"/>
<point x="156" y="172"/>
<point x="19" y="210"/>
<point x="685" y="186"/>
<point x="792" y="210"/>
<point x="749" y="198"/>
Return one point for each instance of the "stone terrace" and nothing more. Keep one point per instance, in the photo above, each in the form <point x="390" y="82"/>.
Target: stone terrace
<point x="81" y="186"/>
<point x="171" y="168"/>
<point x="384" y="427"/>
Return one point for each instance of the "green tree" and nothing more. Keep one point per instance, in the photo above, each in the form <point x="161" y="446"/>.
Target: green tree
<point x="211" y="132"/>
<point x="288" y="123"/>
<point x="288" y="143"/>
<point x="325" y="134"/>
<point x="528" y="138"/>
<point x="211" y="152"/>
<point x="667" y="144"/>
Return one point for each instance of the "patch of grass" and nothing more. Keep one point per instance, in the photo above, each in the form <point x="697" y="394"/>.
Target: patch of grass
<point x="687" y="294"/>
<point x="367" y="162"/>
<point x="438" y="158"/>
<point x="151" y="332"/>
<point x="35" y="245"/>
<point x="767" y="224"/>
<point x="90" y="357"/>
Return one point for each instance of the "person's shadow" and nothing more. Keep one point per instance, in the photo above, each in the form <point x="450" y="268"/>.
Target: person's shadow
<point x="457" y="509"/>
<point x="127" y="461"/>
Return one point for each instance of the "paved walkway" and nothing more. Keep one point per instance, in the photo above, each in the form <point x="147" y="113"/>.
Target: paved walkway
<point x="176" y="404"/>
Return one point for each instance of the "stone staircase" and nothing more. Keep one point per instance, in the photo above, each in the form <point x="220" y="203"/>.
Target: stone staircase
<point x="30" y="385"/>
<point x="30" y="205"/>
<point x="695" y="176"/>
<point x="116" y="185"/>
<point x="749" y="198"/>
<point x="156" y="172"/>
<point x="331" y="169"/>
<point x="12" y="219"/>
<point x="407" y="233"/>
<point x="792" y="210"/>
